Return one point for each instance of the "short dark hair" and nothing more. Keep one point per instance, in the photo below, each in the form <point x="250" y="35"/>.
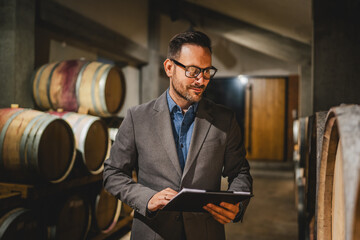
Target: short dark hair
<point x="188" y="37"/>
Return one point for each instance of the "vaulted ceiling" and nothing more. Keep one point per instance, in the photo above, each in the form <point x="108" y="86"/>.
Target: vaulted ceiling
<point x="277" y="28"/>
<point x="281" y="29"/>
<point x="290" y="18"/>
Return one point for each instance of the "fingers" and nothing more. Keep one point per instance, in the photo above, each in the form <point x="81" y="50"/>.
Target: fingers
<point x="169" y="193"/>
<point x="160" y="199"/>
<point x="224" y="213"/>
<point x="221" y="219"/>
<point x="234" y="208"/>
<point x="218" y="213"/>
<point x="170" y="190"/>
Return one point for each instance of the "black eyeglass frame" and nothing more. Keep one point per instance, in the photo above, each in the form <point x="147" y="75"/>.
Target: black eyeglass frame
<point x="202" y="70"/>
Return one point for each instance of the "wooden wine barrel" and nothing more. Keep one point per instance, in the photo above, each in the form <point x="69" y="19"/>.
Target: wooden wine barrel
<point x="35" y="144"/>
<point x="106" y="211"/>
<point x="302" y="174"/>
<point x="304" y="140"/>
<point x="320" y="129"/>
<point x="95" y="86"/>
<point x="338" y="208"/>
<point x="311" y="169"/>
<point x="73" y="219"/>
<point x="296" y="153"/>
<point x="54" y="85"/>
<point x="100" y="88"/>
<point x="92" y="139"/>
<point x="20" y="223"/>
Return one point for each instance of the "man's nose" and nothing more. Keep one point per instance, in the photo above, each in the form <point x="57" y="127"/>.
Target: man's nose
<point x="200" y="78"/>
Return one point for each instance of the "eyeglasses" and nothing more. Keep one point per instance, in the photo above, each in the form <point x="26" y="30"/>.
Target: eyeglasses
<point x="193" y="71"/>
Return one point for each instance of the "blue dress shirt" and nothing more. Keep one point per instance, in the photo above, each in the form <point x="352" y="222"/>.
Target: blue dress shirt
<point x="182" y="126"/>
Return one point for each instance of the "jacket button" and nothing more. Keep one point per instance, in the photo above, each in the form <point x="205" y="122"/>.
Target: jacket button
<point x="177" y="217"/>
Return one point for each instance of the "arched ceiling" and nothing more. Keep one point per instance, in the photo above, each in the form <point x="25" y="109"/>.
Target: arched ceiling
<point x="290" y="18"/>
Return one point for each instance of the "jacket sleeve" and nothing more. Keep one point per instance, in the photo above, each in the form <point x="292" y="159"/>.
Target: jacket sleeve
<point x="117" y="176"/>
<point x="236" y="167"/>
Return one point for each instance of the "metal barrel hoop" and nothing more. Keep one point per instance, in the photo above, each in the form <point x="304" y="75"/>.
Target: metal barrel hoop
<point x="33" y="146"/>
<point x="37" y="82"/>
<point x="93" y="84"/>
<point x="24" y="140"/>
<point x="9" y="220"/>
<point x="102" y="84"/>
<point x="48" y="84"/>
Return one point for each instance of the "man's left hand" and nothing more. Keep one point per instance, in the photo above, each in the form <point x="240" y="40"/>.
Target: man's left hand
<point x="224" y="213"/>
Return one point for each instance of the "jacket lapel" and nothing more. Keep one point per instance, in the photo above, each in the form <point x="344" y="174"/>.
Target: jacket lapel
<point x="162" y="124"/>
<point x="202" y="125"/>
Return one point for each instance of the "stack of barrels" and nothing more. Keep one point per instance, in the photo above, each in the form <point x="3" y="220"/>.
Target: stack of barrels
<point x="49" y="145"/>
<point x="328" y="174"/>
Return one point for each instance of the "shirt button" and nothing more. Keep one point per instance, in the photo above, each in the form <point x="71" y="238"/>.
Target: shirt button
<point x="181" y="145"/>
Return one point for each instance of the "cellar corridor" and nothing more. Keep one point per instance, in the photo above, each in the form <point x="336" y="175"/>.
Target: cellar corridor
<point x="272" y="213"/>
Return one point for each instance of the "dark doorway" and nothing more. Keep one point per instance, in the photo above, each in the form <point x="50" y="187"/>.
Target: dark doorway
<point x="229" y="91"/>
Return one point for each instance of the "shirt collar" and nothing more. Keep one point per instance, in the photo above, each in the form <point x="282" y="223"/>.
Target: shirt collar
<point x="173" y="106"/>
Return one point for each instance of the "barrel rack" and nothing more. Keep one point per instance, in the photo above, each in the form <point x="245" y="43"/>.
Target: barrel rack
<point x="34" y="192"/>
<point x="13" y="195"/>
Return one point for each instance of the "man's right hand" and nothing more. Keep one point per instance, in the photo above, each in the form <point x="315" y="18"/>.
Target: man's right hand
<point x="160" y="199"/>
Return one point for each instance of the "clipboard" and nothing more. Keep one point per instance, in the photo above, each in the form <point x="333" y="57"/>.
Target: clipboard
<point x="192" y="200"/>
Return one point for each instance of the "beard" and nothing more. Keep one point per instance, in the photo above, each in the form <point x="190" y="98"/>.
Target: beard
<point x="184" y="92"/>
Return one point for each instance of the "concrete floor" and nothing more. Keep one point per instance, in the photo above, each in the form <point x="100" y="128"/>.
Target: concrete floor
<point x="271" y="214"/>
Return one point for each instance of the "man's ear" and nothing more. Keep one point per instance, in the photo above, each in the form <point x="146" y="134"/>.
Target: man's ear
<point x="168" y="66"/>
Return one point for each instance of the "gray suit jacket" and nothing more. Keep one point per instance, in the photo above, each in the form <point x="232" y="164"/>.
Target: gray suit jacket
<point x="145" y="142"/>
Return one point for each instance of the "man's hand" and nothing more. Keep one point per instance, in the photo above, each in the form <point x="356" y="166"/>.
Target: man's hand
<point x="160" y="199"/>
<point x="224" y="213"/>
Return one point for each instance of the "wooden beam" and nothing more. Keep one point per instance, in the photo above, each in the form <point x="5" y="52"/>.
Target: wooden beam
<point x="66" y="24"/>
<point x="240" y="32"/>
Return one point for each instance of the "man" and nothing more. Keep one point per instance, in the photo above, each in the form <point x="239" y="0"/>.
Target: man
<point x="179" y="140"/>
